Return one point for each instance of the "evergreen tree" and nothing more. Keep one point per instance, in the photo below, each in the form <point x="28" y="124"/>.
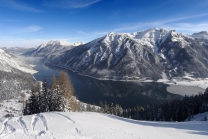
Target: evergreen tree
<point x="58" y="98"/>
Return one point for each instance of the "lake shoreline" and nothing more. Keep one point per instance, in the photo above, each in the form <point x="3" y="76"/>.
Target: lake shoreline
<point x="175" y="82"/>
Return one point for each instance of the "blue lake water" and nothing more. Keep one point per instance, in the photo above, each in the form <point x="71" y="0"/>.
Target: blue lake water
<point x="127" y="94"/>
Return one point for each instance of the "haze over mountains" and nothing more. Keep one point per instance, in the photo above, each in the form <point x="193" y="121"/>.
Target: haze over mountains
<point x="10" y="63"/>
<point x="150" y="54"/>
<point x="15" y="76"/>
<point x="16" y="50"/>
<point x="51" y="47"/>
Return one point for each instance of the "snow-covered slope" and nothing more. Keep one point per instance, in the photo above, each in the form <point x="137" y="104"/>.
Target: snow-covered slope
<point x="52" y="48"/>
<point x="15" y="76"/>
<point x="96" y="126"/>
<point x="203" y="34"/>
<point x="151" y="54"/>
<point x="9" y="63"/>
<point x="199" y="117"/>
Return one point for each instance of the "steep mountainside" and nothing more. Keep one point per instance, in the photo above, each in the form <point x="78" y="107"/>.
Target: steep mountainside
<point x="10" y="63"/>
<point x="150" y="54"/>
<point x="14" y="76"/>
<point x="51" y="47"/>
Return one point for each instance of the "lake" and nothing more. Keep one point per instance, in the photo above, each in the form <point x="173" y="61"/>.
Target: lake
<point x="128" y="94"/>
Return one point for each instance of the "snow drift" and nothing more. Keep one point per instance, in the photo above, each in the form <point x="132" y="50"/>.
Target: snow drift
<point x="96" y="126"/>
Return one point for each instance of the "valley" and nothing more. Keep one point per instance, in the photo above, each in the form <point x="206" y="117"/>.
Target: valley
<point x="103" y="69"/>
<point x="126" y="93"/>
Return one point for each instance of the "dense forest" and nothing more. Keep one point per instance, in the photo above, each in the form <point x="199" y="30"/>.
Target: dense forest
<point x="175" y="110"/>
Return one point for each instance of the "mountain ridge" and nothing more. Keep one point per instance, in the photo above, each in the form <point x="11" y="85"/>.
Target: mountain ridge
<point x="150" y="55"/>
<point x="51" y="47"/>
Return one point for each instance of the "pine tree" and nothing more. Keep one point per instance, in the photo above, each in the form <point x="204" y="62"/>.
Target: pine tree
<point x="56" y="97"/>
<point x="32" y="104"/>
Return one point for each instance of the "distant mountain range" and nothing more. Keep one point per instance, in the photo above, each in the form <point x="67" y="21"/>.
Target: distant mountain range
<point x="51" y="47"/>
<point x="16" y="50"/>
<point x="151" y="54"/>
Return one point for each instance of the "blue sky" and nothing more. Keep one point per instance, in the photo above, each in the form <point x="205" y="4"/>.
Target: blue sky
<point x="29" y="23"/>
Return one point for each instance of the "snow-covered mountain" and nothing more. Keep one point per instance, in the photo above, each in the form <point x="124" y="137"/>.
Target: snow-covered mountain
<point x="150" y="54"/>
<point x="10" y="63"/>
<point x="15" y="76"/>
<point x="88" y="125"/>
<point x="202" y="34"/>
<point x="52" y="47"/>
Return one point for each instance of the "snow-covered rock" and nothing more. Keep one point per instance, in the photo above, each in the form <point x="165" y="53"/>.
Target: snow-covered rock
<point x="78" y="43"/>
<point x="90" y="125"/>
<point x="143" y="55"/>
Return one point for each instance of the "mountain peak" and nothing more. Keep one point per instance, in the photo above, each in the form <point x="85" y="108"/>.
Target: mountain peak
<point x="202" y="34"/>
<point x="78" y="43"/>
<point x="56" y="42"/>
<point x="111" y="33"/>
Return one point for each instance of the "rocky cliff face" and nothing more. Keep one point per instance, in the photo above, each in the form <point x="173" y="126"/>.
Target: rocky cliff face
<point x="150" y="54"/>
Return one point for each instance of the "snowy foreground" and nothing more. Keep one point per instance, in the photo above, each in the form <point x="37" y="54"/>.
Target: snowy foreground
<point x="97" y="126"/>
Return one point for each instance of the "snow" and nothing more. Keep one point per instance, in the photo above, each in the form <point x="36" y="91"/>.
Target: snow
<point x="178" y="37"/>
<point x="199" y="117"/>
<point x="151" y="37"/>
<point x="1" y="51"/>
<point x="11" y="106"/>
<point x="78" y="43"/>
<point x="57" y="42"/>
<point x="8" y="61"/>
<point x="147" y="37"/>
<point x="90" y="125"/>
<point x="203" y="34"/>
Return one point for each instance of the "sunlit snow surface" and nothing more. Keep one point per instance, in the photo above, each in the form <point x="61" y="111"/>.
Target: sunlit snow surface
<point x="8" y="62"/>
<point x="97" y="126"/>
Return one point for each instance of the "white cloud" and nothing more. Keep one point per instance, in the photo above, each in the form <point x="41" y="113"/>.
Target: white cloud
<point x="69" y="4"/>
<point x="188" y="28"/>
<point x="87" y="4"/>
<point x="33" y="28"/>
<point x="172" y="23"/>
<point x="14" y="5"/>
<point x="184" y="18"/>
